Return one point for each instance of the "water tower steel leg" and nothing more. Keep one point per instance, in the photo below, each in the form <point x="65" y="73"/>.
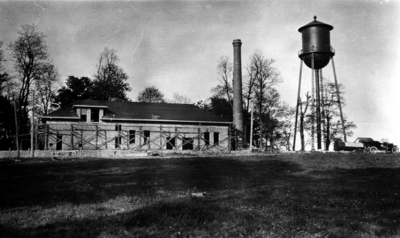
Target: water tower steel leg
<point x="318" y="109"/>
<point x="313" y="103"/>
<point x="297" y="106"/>
<point x="339" y="103"/>
<point x="321" y="83"/>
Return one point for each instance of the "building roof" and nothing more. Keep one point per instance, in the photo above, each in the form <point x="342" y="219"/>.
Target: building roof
<point x="315" y="23"/>
<point x="139" y="111"/>
<point x="89" y="103"/>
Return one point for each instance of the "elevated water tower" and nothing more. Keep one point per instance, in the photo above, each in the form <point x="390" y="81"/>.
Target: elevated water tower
<point x="316" y="54"/>
<point x="316" y="44"/>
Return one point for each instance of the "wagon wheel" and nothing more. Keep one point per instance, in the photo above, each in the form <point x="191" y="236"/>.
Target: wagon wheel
<point x="395" y="150"/>
<point x="373" y="150"/>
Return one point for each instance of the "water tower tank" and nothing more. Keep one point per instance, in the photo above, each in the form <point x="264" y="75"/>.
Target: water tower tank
<point x="316" y="39"/>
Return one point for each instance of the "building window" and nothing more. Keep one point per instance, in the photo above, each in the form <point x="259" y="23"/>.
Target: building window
<point x="59" y="142"/>
<point x="187" y="144"/>
<point x="216" y="138"/>
<point x="132" y="134"/>
<point x="146" y="137"/>
<point x="83" y="114"/>
<point x="170" y="143"/>
<point x="94" y="115"/>
<point x="207" y="138"/>
<point x="118" y="127"/>
<point x="118" y="142"/>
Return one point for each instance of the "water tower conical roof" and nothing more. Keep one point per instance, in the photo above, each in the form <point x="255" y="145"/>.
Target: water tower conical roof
<point x="315" y="23"/>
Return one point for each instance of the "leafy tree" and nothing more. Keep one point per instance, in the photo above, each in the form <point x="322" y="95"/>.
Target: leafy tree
<point x="180" y="99"/>
<point x="77" y="89"/>
<point x="7" y="123"/>
<point x="110" y="79"/>
<point x="203" y="104"/>
<point x="4" y="77"/>
<point x="221" y="107"/>
<point x="28" y="53"/>
<point x="151" y="94"/>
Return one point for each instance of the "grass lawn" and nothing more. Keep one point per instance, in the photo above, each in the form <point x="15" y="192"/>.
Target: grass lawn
<point x="287" y="195"/>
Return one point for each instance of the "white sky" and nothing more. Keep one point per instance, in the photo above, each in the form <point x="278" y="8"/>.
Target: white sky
<point x="175" y="45"/>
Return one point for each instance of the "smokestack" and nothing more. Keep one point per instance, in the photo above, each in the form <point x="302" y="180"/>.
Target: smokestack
<point x="237" y="93"/>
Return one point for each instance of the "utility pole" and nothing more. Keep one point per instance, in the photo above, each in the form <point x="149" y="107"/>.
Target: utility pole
<point x="16" y="127"/>
<point x="33" y="126"/>
<point x="251" y="125"/>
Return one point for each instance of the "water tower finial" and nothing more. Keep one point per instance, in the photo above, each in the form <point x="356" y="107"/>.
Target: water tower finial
<point x="315" y="18"/>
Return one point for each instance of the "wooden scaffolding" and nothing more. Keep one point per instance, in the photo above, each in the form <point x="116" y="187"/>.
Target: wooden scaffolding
<point x="100" y="137"/>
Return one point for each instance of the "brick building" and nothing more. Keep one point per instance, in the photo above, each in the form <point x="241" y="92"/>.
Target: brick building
<point x="100" y="125"/>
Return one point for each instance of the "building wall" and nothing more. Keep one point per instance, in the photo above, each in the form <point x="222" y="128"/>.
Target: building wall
<point x="91" y="136"/>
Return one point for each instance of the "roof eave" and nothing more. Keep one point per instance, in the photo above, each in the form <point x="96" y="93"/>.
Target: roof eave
<point x="158" y="120"/>
<point x="90" y="106"/>
<point x="55" y="117"/>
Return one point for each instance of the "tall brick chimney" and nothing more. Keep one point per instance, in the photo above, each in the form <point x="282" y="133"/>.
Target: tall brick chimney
<point x="237" y="93"/>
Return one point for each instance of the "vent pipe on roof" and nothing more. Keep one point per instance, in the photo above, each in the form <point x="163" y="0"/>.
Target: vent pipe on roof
<point x="237" y="93"/>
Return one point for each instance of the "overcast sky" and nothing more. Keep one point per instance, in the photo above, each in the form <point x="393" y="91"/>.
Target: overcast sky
<point x="175" y="45"/>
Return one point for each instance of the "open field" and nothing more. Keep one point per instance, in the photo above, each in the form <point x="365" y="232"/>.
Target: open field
<point x="287" y="195"/>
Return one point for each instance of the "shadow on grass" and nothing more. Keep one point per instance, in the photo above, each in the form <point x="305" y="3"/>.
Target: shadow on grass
<point x="92" y="181"/>
<point x="247" y="198"/>
<point x="179" y="218"/>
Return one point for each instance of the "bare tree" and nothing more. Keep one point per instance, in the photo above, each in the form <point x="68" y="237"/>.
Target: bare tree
<point x="285" y="115"/>
<point x="28" y="53"/>
<point x="151" y="95"/>
<point x="180" y="99"/>
<point x="249" y="87"/>
<point x="224" y="89"/>
<point x="302" y="115"/>
<point x="330" y="111"/>
<point x="110" y="80"/>
<point x="330" y="114"/>
<point x="46" y="85"/>
<point x="265" y="77"/>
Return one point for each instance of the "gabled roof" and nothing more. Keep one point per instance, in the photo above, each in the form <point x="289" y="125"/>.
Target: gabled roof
<point x="88" y="103"/>
<point x="140" y="111"/>
<point x="66" y="112"/>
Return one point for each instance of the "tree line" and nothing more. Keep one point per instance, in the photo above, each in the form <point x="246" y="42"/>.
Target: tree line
<point x="33" y="72"/>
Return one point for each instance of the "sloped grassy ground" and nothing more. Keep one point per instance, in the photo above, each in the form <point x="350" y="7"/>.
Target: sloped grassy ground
<point x="288" y="195"/>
